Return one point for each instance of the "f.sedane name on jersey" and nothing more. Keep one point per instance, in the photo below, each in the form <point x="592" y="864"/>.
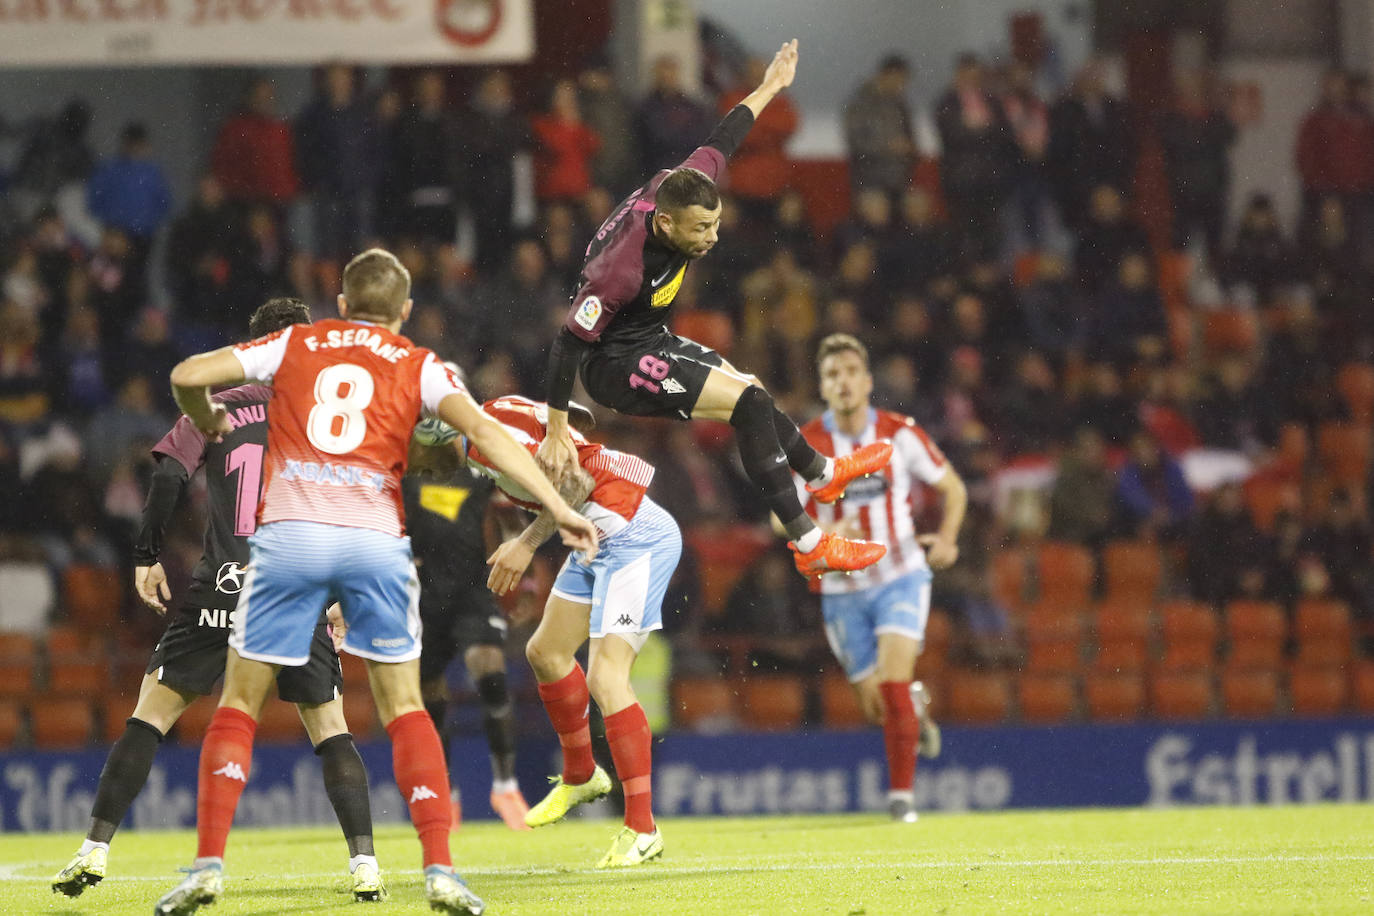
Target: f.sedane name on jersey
<point x="357" y="337"/>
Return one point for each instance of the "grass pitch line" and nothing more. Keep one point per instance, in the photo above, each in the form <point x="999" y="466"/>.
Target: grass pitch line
<point x="9" y="872"/>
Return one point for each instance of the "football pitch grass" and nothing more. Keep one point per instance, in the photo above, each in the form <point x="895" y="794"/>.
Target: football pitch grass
<point x="1316" y="860"/>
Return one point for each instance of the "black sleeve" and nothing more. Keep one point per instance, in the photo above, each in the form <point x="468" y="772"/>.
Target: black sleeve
<point x="565" y="358"/>
<point x="729" y="133"/>
<point x="169" y="480"/>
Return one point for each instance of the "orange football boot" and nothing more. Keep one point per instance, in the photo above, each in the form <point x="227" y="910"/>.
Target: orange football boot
<point x="512" y="808"/>
<point x="837" y="554"/>
<point x="861" y="462"/>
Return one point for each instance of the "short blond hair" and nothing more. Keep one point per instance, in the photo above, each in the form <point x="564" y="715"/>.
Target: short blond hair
<point x="841" y="343"/>
<point x="376" y="285"/>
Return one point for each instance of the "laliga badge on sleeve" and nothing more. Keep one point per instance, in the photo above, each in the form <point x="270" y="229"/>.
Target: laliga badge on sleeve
<point x="588" y="312"/>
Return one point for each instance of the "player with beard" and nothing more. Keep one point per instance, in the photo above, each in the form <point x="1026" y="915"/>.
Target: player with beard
<point x="616" y="335"/>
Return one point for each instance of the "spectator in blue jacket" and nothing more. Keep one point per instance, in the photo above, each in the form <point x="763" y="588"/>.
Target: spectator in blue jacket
<point x="130" y="192"/>
<point x="1152" y="493"/>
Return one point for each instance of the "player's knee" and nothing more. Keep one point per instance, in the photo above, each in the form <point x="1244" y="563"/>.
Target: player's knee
<point x="607" y="687"/>
<point x="755" y="405"/>
<point x="544" y="660"/>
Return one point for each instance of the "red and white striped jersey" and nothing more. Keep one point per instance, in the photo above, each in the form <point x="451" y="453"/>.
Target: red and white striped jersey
<point x="347" y="395"/>
<point x="621" y="479"/>
<point x="882" y="506"/>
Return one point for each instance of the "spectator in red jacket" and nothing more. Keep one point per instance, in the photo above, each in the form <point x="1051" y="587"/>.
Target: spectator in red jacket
<point x="254" y="156"/>
<point x="564" y="146"/>
<point x="1335" y="150"/>
<point x="759" y="169"/>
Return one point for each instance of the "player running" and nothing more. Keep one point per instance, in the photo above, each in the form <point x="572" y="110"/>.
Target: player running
<point x="875" y="620"/>
<point x="447" y="516"/>
<point x="348" y="393"/>
<point x="616" y="334"/>
<point x="618" y="593"/>
<point x="190" y="656"/>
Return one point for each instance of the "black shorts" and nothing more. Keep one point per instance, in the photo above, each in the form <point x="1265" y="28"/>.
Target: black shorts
<point x="661" y="379"/>
<point x="191" y="653"/>
<point x="452" y="622"/>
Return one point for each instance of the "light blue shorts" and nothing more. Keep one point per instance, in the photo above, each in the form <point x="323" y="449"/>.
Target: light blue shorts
<point x="295" y="568"/>
<point x="626" y="582"/>
<point x="854" y="620"/>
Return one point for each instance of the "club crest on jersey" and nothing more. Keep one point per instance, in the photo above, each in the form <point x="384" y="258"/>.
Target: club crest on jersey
<point x="588" y="313"/>
<point x="229" y="579"/>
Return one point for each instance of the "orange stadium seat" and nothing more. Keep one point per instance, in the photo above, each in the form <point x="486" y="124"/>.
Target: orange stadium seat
<point x="1362" y="687"/>
<point x="1229" y="331"/>
<point x="115" y="711"/>
<point x="92" y="595"/>
<point x="359" y="711"/>
<point x="1355" y="382"/>
<point x="1249" y="693"/>
<point x="774" y="702"/>
<point x="1256" y="630"/>
<point x="354" y="672"/>
<point x="68" y="641"/>
<point x="1066" y="574"/>
<point x="11" y="724"/>
<point x="704" y="703"/>
<point x="939" y="632"/>
<point x="1118" y="620"/>
<point x="979" y="697"/>
<point x="1054" y="640"/>
<point x="1190" y="635"/>
<point x="18" y="665"/>
<point x="280" y="722"/>
<point x="840" y="707"/>
<point x="1009" y="578"/>
<point x="1267" y="495"/>
<point x="1046" y="697"/>
<point x="1344" y="450"/>
<point x="61" y="722"/>
<point x="1181" y="694"/>
<point x="1114" y="697"/>
<point x="1132" y="569"/>
<point x="190" y="728"/>
<point x="1323" y="629"/>
<point x="70" y="676"/>
<point x="1317" y="691"/>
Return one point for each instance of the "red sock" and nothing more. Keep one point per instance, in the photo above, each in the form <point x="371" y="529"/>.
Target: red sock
<point x="417" y="758"/>
<point x="226" y="757"/>
<point x="566" y="701"/>
<point x="627" y="732"/>
<point x="900" y="733"/>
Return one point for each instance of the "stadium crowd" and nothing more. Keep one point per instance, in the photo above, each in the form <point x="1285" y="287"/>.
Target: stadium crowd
<point x="1046" y="280"/>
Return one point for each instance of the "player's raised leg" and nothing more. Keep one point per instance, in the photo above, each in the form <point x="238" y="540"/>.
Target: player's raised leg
<point x="563" y="689"/>
<point x="122" y="778"/>
<point x="735" y="399"/>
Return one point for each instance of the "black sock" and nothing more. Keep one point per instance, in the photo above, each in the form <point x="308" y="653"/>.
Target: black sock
<point x="438" y="711"/>
<point x="345" y="782"/>
<point x="802" y="457"/>
<point x="764" y="460"/>
<point x="126" y="770"/>
<point x="498" y="724"/>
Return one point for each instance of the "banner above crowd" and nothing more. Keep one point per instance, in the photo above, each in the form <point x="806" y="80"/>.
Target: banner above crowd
<point x="48" y="33"/>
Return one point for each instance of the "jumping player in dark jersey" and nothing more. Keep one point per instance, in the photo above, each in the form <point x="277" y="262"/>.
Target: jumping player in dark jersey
<point x="447" y="516"/>
<point x="190" y="656"/>
<point x="616" y="334"/>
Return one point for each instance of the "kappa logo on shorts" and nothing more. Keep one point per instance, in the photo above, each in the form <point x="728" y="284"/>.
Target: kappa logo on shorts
<point x="588" y="312"/>
<point x="420" y="793"/>
<point x="624" y="620"/>
<point x="229" y="579"/>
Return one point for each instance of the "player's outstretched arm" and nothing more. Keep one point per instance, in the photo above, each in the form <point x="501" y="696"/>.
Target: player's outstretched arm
<point x="192" y="379"/>
<point x="512" y="558"/>
<point x="779" y="75"/>
<point x="462" y="413"/>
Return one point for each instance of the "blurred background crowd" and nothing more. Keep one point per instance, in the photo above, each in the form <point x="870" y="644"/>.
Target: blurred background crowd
<point x="1162" y="415"/>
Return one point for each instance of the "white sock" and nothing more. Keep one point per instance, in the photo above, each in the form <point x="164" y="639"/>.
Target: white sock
<point x="908" y="795"/>
<point x="208" y="860"/>
<point x="88" y="845"/>
<point x="502" y="786"/>
<point x="809" y="541"/>
<point x="355" y="861"/>
<point x="827" y="475"/>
